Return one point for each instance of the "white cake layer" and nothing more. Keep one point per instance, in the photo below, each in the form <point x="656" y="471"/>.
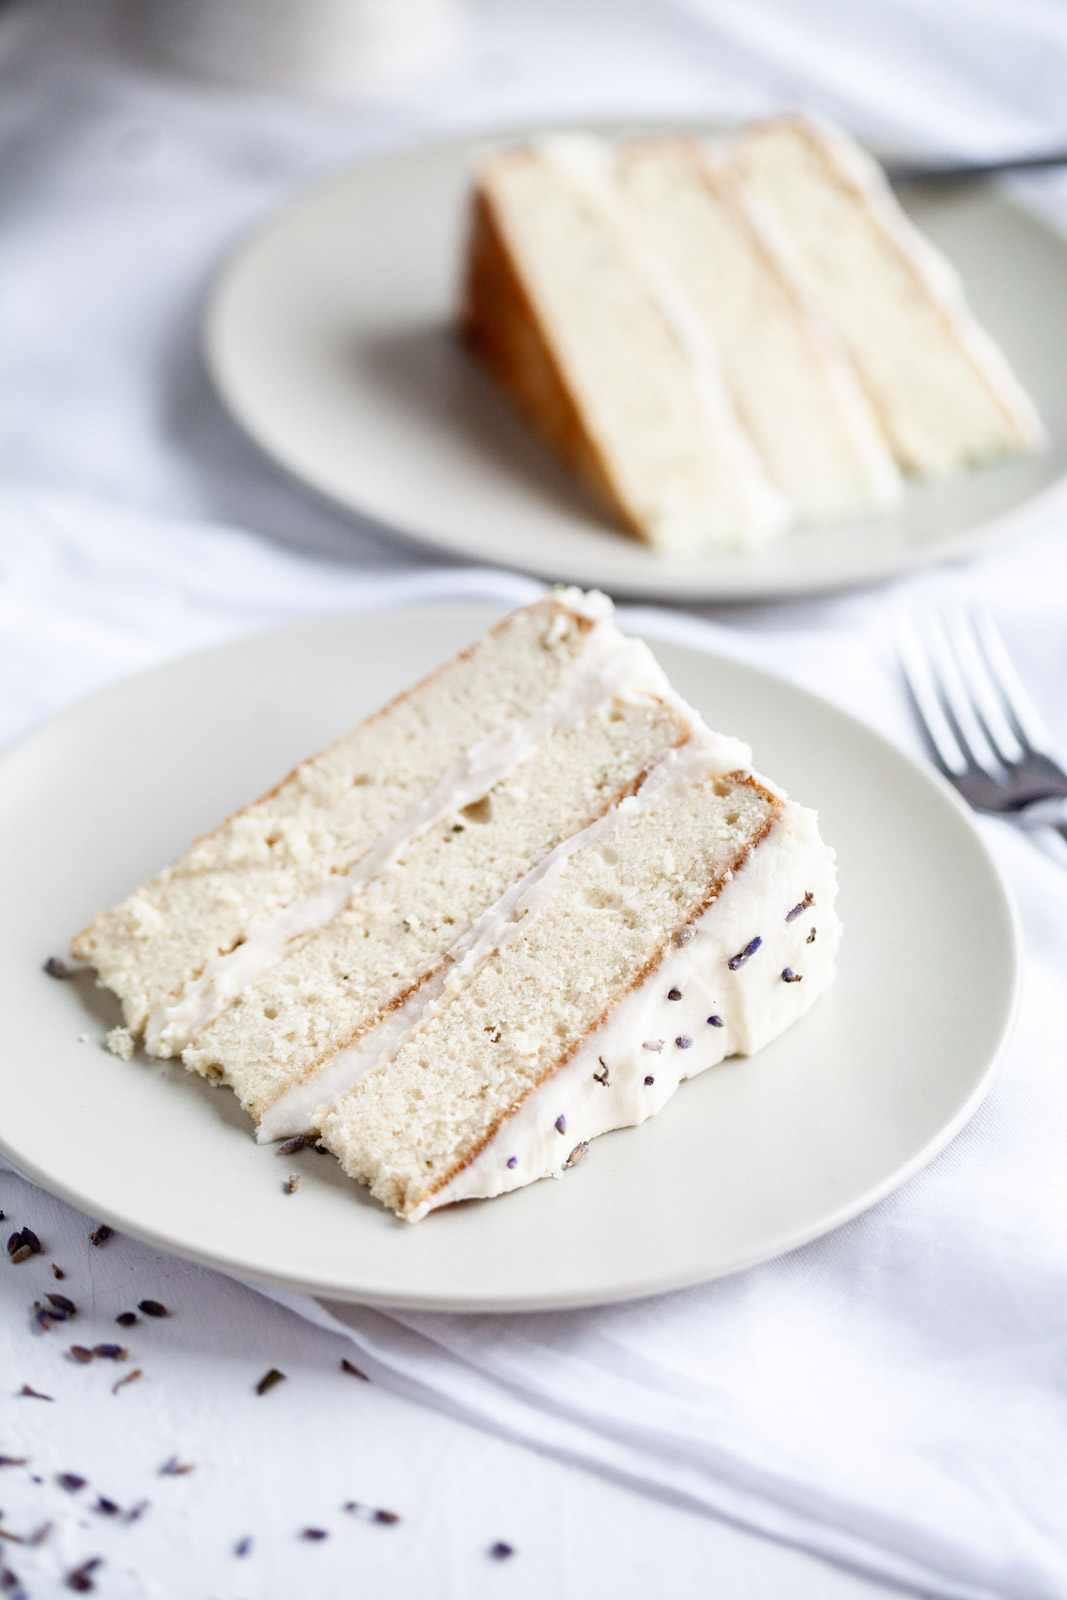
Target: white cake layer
<point x="632" y="355"/>
<point x="330" y="811"/>
<point x="790" y="383"/>
<point x="692" y="1011"/>
<point x="395" y="934"/>
<point x="605" y="920"/>
<point x="944" y="393"/>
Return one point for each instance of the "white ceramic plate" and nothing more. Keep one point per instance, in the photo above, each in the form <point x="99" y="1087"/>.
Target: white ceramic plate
<point x="748" y="1160"/>
<point x="330" y="336"/>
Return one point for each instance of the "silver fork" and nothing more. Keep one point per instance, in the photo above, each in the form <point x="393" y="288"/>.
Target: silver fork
<point x="984" y="731"/>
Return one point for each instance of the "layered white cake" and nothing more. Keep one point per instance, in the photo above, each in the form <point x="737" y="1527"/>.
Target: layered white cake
<point x="510" y="911"/>
<point x="723" y="339"/>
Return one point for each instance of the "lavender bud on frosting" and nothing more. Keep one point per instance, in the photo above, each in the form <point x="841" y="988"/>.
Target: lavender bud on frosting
<point x="789" y="976"/>
<point x="743" y="955"/>
<point x="716" y="1022"/>
<point x="561" y="1123"/>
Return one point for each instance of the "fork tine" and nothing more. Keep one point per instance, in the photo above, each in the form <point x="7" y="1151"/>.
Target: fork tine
<point x="956" y="699"/>
<point x="1027" y="723"/>
<point x="987" y="699"/>
<point x="919" y="676"/>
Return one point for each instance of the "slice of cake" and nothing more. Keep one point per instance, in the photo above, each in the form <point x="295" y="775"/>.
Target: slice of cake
<point x="535" y="883"/>
<point x="788" y="378"/>
<point x="945" y="395"/>
<point x="603" y="356"/>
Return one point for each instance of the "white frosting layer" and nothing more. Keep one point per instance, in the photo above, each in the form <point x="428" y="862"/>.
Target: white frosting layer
<point x="611" y="668"/>
<point x="604" y="1085"/>
<point x="304" y="1105"/>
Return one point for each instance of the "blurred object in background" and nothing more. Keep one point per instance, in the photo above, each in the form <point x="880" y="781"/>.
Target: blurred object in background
<point x="341" y="49"/>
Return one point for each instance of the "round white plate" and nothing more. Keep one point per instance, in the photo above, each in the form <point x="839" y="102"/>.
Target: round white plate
<point x="750" y="1159"/>
<point x="330" y="336"/>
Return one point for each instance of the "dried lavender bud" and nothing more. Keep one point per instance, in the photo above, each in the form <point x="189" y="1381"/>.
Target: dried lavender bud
<point x="716" y="1022"/>
<point x="243" y="1546"/>
<point x="683" y="1041"/>
<point x="126" y="1319"/>
<point x="291" y="1146"/>
<point x="655" y="1045"/>
<point x="513" y="1162"/>
<point x="20" y="1254"/>
<point x="135" y="1513"/>
<point x="56" y="968"/>
<point x="789" y="976"/>
<point x="106" y="1507"/>
<point x="13" y="1461"/>
<point x="601" y="1077"/>
<point x="811" y="937"/>
<point x="111" y="1352"/>
<point x="291" y="1184"/>
<point x="742" y="955"/>
<point x="674" y="994"/>
<point x="57" y="1272"/>
<point x="350" y="1367"/>
<point x="70" y="1481"/>
<point x="44" y="1316"/>
<point x="80" y="1580"/>
<point x="808" y="900"/>
<point x="79" y="1353"/>
<point x="30" y="1238"/>
<point x="268" y="1380"/>
<point x="577" y="1153"/>
<point x="102" y="1234"/>
<point x="501" y="1551"/>
<point x="61" y="1303"/>
<point x="34" y="1394"/>
<point x="320" y="1149"/>
<point x="131" y="1377"/>
<point x="314" y="1533"/>
<point x="387" y="1518"/>
<point x="649" y="1082"/>
<point x="173" y="1468"/>
<point x="561" y="1123"/>
<point x="684" y="935"/>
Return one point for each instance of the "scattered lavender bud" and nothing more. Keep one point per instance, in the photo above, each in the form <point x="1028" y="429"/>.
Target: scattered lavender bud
<point x="684" y="935"/>
<point x="351" y="1368"/>
<point x="789" y="976"/>
<point x="79" y="1353"/>
<point x="57" y="1272"/>
<point x="106" y="1507"/>
<point x="243" y="1546"/>
<point x="513" y="1162"/>
<point x="56" y="968"/>
<point x="561" y="1124"/>
<point x="126" y="1319"/>
<point x="80" y="1580"/>
<point x="811" y="937"/>
<point x="716" y="1022"/>
<point x="130" y="1377"/>
<point x="269" y="1379"/>
<point x="135" y="1513"/>
<point x="649" y="1082"/>
<point x="802" y="905"/>
<point x="102" y="1234"/>
<point x="674" y="994"/>
<point x="501" y="1551"/>
<point x="111" y="1352"/>
<point x="601" y="1077"/>
<point x="30" y="1238"/>
<point x="291" y="1146"/>
<point x="314" y="1533"/>
<point x="20" y="1254"/>
<point x="61" y="1303"/>
<point x="742" y="955"/>
<point x="655" y="1045"/>
<point x="173" y="1468"/>
<point x="71" y="1482"/>
<point x="13" y="1461"/>
<point x="577" y="1153"/>
<point x="291" y="1184"/>
<point x="34" y="1394"/>
<point x="683" y="1041"/>
<point x="387" y="1518"/>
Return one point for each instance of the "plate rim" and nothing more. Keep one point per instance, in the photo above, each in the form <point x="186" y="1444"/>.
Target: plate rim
<point x="223" y="290"/>
<point x="482" y="612"/>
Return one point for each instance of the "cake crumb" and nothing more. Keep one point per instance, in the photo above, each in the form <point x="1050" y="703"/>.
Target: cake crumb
<point x="120" y="1042"/>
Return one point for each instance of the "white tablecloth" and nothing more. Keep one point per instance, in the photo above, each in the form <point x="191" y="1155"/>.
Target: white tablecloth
<point x="892" y="1396"/>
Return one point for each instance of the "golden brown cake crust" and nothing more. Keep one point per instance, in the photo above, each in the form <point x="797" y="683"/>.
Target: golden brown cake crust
<point x="501" y="325"/>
